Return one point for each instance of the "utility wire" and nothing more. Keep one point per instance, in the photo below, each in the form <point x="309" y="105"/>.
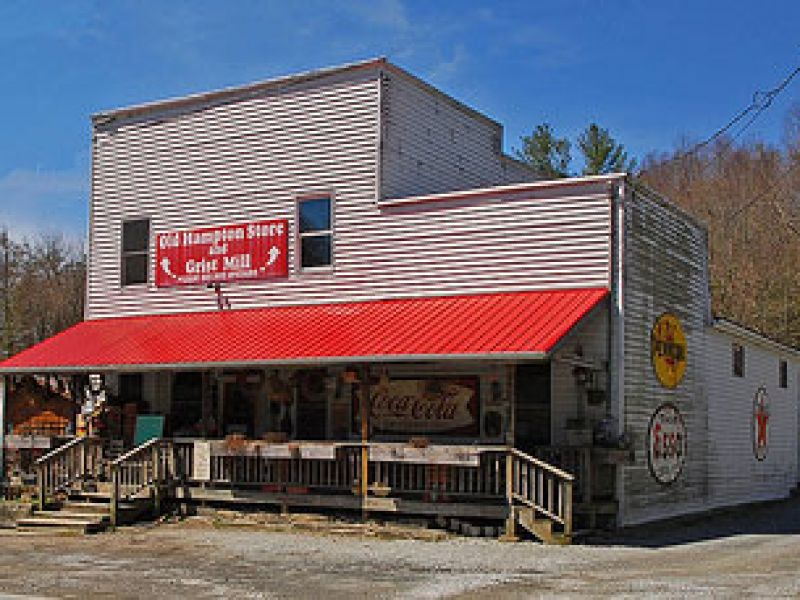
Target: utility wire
<point x="761" y="102"/>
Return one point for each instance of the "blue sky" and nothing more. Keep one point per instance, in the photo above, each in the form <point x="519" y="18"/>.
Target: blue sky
<point x="652" y="72"/>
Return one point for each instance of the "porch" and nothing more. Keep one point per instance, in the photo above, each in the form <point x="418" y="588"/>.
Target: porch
<point x="482" y="483"/>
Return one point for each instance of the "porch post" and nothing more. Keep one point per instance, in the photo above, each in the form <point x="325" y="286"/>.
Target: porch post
<point x="2" y="428"/>
<point x="114" y="500"/>
<point x="364" y="409"/>
<point x="510" y="532"/>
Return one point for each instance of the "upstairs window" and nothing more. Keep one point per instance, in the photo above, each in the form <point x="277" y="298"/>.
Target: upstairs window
<point x="738" y="360"/>
<point x="783" y="374"/>
<point x="135" y="248"/>
<point x="315" y="233"/>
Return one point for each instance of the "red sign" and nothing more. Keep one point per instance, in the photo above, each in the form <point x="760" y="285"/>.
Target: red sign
<point x="256" y="250"/>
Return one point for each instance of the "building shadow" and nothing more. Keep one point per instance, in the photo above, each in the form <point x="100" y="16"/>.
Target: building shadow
<point x="781" y="517"/>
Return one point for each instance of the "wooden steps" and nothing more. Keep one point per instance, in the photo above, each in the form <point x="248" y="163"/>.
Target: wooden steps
<point x="84" y="513"/>
<point x="541" y="529"/>
<point x="75" y="520"/>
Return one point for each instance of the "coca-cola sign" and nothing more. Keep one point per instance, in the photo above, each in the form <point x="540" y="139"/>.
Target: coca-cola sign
<point x="255" y="250"/>
<point x="437" y="406"/>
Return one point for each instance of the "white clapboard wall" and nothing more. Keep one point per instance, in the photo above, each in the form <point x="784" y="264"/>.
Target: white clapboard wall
<point x="665" y="271"/>
<point x="432" y="144"/>
<point x="249" y="156"/>
<point x="735" y="474"/>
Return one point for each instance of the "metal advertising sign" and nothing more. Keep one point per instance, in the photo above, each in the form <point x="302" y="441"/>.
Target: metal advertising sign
<point x="255" y="250"/>
<point x="668" y="350"/>
<point x="760" y="424"/>
<point x="435" y="406"/>
<point x="666" y="443"/>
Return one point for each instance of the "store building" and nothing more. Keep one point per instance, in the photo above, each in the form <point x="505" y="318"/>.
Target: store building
<point x="264" y="258"/>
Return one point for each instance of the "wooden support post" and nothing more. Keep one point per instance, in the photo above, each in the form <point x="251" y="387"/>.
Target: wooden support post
<point x="41" y="480"/>
<point x="567" y="508"/>
<point x="114" y="500"/>
<point x="156" y="479"/>
<point x="364" y="409"/>
<point x="3" y="388"/>
<point x="510" y="534"/>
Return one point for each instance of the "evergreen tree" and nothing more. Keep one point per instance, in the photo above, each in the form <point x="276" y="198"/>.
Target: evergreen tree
<point x="547" y="155"/>
<point x="602" y="153"/>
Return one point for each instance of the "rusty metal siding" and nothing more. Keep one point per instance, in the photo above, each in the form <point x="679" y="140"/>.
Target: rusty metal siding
<point x="735" y="475"/>
<point x="431" y="145"/>
<point x="665" y="259"/>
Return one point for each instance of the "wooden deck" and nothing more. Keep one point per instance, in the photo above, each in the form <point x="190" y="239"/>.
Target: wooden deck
<point x="466" y="481"/>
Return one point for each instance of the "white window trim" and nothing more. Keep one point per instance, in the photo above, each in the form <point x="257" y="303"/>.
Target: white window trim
<point x="298" y="236"/>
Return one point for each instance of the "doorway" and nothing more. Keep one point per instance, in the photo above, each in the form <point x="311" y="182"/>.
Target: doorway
<point x="532" y="406"/>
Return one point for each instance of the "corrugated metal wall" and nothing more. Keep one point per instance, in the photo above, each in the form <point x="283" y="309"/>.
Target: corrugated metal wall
<point x="735" y="475"/>
<point x="249" y="159"/>
<point x="664" y="271"/>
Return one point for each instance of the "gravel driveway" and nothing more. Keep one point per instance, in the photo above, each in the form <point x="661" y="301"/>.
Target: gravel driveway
<point x="751" y="552"/>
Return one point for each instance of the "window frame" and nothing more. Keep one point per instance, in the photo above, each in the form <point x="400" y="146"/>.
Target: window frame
<point x="783" y="374"/>
<point x="300" y="235"/>
<point x="738" y="368"/>
<point x="125" y="254"/>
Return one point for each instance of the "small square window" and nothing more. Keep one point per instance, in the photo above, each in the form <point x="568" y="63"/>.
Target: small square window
<point x="315" y="233"/>
<point x="738" y="360"/>
<point x="134" y="256"/>
<point x="783" y="374"/>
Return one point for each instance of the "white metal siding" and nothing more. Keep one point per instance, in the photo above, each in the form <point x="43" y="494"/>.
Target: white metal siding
<point x="249" y="159"/>
<point x="591" y="336"/>
<point x="735" y="475"/>
<point x="664" y="271"/>
<point x="431" y="145"/>
<point x="226" y="163"/>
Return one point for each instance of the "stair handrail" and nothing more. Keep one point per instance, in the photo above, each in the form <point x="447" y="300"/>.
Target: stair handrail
<point x="154" y="461"/>
<point x="60" y="450"/>
<point x="134" y="451"/>
<point x="48" y="482"/>
<point x="543" y="465"/>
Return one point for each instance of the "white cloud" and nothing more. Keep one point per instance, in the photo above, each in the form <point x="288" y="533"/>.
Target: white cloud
<point x="34" y="201"/>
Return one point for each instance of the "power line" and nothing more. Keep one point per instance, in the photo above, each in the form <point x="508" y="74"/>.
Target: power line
<point x="761" y="102"/>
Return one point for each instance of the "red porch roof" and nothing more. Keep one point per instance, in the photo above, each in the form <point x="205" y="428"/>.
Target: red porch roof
<point x="509" y="325"/>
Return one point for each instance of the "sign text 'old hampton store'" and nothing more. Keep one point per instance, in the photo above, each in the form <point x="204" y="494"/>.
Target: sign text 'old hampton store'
<point x="255" y="250"/>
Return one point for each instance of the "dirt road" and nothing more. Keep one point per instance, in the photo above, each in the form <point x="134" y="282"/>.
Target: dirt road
<point x="752" y="553"/>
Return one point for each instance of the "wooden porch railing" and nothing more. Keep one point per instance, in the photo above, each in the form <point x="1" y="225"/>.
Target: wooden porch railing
<point x="575" y="460"/>
<point x="149" y="468"/>
<point x="541" y="486"/>
<point x="482" y="481"/>
<point x="79" y="459"/>
<point x="496" y="474"/>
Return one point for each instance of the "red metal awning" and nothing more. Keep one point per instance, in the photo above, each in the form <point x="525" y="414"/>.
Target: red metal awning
<point x="514" y="325"/>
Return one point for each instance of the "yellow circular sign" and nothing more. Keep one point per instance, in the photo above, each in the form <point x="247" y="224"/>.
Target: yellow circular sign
<point x="668" y="350"/>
